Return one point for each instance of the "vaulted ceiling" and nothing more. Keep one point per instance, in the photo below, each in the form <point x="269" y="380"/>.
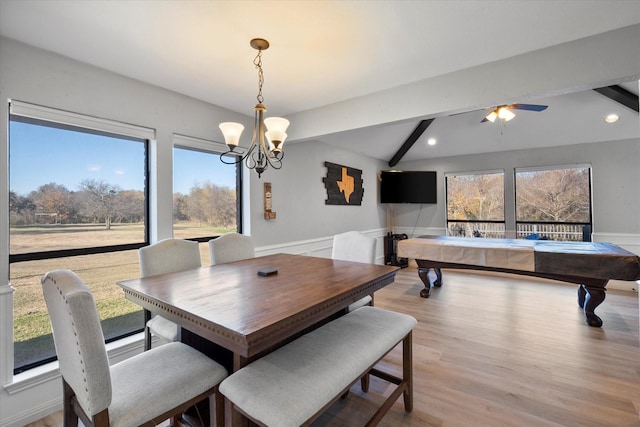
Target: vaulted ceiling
<point x="325" y="52"/>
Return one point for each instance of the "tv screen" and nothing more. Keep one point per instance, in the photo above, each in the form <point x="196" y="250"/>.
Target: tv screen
<point x="408" y="187"/>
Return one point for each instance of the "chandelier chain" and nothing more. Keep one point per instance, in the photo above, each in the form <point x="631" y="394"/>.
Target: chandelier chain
<point x="258" y="63"/>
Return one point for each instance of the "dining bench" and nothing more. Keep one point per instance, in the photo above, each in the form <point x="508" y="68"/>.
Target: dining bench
<point x="293" y="385"/>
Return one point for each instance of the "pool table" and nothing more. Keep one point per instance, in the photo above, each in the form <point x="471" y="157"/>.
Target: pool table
<point x="589" y="264"/>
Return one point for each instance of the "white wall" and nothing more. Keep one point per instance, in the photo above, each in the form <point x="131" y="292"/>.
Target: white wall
<point x="299" y="196"/>
<point x="615" y="182"/>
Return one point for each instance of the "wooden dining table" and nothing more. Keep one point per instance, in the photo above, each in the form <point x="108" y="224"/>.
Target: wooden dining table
<point x="248" y="314"/>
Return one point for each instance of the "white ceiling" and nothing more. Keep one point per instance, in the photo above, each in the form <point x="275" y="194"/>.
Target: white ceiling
<point x="323" y="52"/>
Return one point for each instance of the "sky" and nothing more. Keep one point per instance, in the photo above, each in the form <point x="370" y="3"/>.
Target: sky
<point x="41" y="155"/>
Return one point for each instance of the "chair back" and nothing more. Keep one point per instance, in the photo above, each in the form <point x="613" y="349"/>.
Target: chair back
<point x="78" y="338"/>
<point x="169" y="256"/>
<point x="231" y="247"/>
<point x="354" y="246"/>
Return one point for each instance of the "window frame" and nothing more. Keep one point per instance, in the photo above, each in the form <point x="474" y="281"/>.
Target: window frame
<point x="587" y="166"/>
<point x="45" y="116"/>
<point x="448" y="175"/>
<point x="185" y="142"/>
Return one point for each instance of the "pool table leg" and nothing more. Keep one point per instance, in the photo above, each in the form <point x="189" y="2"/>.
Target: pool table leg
<point x="589" y="298"/>
<point x="423" y="273"/>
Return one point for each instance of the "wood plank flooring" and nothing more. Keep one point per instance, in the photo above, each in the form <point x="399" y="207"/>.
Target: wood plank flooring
<point x="503" y="351"/>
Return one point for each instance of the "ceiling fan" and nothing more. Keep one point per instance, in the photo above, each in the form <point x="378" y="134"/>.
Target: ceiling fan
<point x="504" y="112"/>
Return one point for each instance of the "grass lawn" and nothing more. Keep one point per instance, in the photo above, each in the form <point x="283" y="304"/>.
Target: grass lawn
<point x="100" y="272"/>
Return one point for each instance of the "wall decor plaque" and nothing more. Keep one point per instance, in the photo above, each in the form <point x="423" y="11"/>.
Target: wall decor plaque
<point x="343" y="184"/>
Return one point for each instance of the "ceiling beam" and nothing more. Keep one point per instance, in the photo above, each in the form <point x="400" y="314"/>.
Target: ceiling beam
<point x="417" y="132"/>
<point x="620" y="95"/>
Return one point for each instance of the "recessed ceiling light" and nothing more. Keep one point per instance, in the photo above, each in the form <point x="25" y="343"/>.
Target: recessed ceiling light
<point x="431" y="141"/>
<point x="611" y="118"/>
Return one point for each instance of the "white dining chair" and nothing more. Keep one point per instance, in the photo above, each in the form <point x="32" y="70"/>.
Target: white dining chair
<point x="166" y="256"/>
<point x="357" y="247"/>
<point x="231" y="247"/>
<point x="146" y="389"/>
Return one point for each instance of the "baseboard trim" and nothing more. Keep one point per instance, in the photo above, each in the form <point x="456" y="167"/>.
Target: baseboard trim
<point x="39" y="411"/>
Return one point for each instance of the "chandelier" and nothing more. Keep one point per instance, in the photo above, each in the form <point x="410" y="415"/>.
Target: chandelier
<point x="261" y="154"/>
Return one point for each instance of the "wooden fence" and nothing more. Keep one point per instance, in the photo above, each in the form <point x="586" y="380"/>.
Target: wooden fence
<point x="560" y="232"/>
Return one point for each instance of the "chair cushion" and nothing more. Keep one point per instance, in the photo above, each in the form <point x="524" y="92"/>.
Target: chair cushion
<point x="164" y="328"/>
<point x="158" y="380"/>
<point x="290" y="385"/>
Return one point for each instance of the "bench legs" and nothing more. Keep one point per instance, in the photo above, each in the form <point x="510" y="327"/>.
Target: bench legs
<point x="407" y="371"/>
<point x="405" y="384"/>
<point x="364" y="383"/>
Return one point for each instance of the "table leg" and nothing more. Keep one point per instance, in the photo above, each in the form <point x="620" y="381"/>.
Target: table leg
<point x="438" y="282"/>
<point x="221" y="355"/>
<point x="237" y="419"/>
<point x="589" y="298"/>
<point x="423" y="273"/>
<point x="147" y="334"/>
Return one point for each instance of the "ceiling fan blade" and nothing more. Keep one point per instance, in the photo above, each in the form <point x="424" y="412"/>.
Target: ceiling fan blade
<point x="528" y="107"/>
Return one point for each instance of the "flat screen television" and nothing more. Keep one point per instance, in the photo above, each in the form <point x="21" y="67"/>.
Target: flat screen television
<point x="408" y="187"/>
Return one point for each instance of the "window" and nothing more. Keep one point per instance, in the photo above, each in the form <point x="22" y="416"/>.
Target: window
<point x="78" y="201"/>
<point x="206" y="192"/>
<point x="475" y="204"/>
<point x="554" y="203"/>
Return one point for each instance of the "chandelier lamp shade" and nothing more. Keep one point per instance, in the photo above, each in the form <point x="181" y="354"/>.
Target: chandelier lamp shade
<point x="269" y="133"/>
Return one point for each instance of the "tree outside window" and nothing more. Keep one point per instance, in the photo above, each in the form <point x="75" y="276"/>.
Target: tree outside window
<point x="77" y="202"/>
<point x="554" y="203"/>
<point x="475" y="204"/>
<point x="206" y="193"/>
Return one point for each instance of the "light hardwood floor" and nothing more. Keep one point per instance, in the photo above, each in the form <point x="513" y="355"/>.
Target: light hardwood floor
<point x="504" y="351"/>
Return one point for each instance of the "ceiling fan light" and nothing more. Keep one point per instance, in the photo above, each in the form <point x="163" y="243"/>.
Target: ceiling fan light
<point x="492" y="116"/>
<point x="505" y="114"/>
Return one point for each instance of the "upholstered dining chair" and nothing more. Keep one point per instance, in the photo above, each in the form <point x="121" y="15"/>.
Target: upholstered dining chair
<point x="231" y="247"/>
<point x="358" y="247"/>
<point x="143" y="390"/>
<point x="166" y="256"/>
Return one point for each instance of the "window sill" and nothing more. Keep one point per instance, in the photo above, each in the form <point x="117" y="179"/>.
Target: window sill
<point x="117" y="351"/>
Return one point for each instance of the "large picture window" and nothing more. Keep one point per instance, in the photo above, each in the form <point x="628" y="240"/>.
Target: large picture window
<point x="78" y="201"/>
<point x="206" y="192"/>
<point x="554" y="203"/>
<point x="475" y="204"/>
